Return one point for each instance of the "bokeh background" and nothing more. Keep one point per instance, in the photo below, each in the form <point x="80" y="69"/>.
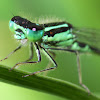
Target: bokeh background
<point x="80" y="13"/>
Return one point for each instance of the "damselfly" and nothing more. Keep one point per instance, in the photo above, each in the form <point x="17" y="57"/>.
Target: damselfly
<point x="53" y="36"/>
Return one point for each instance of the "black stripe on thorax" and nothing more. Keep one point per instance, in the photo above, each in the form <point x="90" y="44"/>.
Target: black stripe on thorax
<point x="52" y="32"/>
<point x="56" y="23"/>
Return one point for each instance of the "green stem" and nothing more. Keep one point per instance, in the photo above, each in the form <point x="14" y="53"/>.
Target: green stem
<point x="45" y="84"/>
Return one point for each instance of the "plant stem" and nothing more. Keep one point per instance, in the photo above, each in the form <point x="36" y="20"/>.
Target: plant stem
<point x="45" y="84"/>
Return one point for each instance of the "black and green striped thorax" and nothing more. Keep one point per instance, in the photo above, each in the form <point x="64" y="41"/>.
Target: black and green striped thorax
<point x="60" y="34"/>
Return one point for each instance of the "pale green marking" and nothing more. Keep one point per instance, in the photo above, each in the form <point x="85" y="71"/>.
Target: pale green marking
<point x="65" y="43"/>
<point x="54" y="27"/>
<point x="59" y="37"/>
<point x="45" y="38"/>
<point x="85" y="49"/>
<point x="75" y="46"/>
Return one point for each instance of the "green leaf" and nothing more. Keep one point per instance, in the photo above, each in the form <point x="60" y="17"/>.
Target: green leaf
<point x="45" y="84"/>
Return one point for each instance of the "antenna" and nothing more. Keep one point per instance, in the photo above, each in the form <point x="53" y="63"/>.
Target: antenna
<point x="11" y="13"/>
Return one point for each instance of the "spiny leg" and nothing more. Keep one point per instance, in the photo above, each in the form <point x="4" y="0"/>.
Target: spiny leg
<point x="49" y="64"/>
<point x="80" y="74"/>
<point x="38" y="55"/>
<point x="31" y="51"/>
<point x="11" y="53"/>
<point x="53" y="61"/>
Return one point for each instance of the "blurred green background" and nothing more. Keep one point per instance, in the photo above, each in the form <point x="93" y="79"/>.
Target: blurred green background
<point x="81" y="13"/>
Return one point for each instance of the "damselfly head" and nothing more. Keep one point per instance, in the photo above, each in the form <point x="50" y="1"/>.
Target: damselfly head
<point x="25" y="29"/>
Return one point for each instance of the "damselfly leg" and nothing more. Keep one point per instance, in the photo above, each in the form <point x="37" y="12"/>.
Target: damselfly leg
<point x="26" y="62"/>
<point x="19" y="47"/>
